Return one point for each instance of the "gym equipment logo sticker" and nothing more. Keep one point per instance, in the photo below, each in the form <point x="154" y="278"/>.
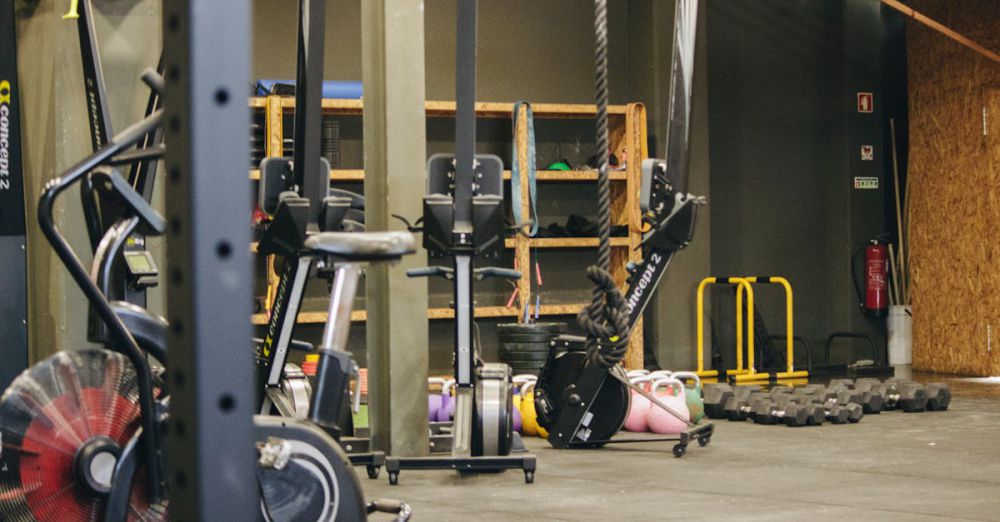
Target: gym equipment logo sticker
<point x="867" y="153"/>
<point x="5" y="95"/>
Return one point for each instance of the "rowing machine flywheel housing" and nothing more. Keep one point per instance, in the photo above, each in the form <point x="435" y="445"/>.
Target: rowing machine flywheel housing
<point x="560" y="373"/>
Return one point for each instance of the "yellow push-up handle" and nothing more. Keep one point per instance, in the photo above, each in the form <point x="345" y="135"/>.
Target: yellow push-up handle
<point x="791" y="373"/>
<point x="743" y="285"/>
<point x="74" y="10"/>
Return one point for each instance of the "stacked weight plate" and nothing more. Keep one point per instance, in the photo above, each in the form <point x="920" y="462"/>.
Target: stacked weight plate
<point x="525" y="346"/>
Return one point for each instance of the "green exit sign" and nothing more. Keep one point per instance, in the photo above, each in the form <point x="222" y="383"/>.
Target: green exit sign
<point x="865" y="183"/>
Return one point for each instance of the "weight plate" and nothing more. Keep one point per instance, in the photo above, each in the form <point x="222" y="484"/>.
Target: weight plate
<point x="531" y="328"/>
<point x="542" y="337"/>
<point x="523" y="357"/>
<point x="524" y="347"/>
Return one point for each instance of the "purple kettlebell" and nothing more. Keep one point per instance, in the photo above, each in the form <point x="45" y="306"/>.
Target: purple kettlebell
<point x="433" y="399"/>
<point x="447" y="411"/>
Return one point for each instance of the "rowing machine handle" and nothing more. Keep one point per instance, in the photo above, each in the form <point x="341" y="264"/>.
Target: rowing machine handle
<point x="493" y="271"/>
<point x="431" y="271"/>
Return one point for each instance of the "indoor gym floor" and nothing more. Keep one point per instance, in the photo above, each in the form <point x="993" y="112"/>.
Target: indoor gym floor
<point x="892" y="466"/>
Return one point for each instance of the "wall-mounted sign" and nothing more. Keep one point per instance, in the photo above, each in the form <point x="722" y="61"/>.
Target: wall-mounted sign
<point x="867" y="153"/>
<point x="866" y="102"/>
<point x="865" y="183"/>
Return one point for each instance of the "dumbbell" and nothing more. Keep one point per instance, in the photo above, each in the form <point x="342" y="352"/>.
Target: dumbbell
<point x="938" y="396"/>
<point x="739" y="409"/>
<point x="789" y="413"/>
<point x="860" y="392"/>
<point x="715" y="396"/>
<point x="907" y="396"/>
<point x="842" y="413"/>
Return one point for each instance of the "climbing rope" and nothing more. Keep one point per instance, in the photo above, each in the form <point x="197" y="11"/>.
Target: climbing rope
<point x="606" y="318"/>
<point x="607" y="322"/>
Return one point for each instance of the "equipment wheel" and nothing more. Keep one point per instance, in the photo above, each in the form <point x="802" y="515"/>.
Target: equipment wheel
<point x="529" y="477"/>
<point x="704" y="441"/>
<point x="374" y="471"/>
<point x="680" y="450"/>
<point x="393" y="478"/>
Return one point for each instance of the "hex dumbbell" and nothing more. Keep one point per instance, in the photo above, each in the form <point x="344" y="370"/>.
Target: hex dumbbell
<point x="781" y="411"/>
<point x="717" y="394"/>
<point x="938" y="396"/>
<point x="907" y="396"/>
<point x="739" y="409"/>
<point x="838" y="413"/>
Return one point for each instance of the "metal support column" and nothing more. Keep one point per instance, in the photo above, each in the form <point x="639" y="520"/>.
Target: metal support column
<point x="211" y="438"/>
<point x="395" y="160"/>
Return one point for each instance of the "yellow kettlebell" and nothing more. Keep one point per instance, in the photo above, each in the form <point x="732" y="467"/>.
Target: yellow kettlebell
<point x="529" y="420"/>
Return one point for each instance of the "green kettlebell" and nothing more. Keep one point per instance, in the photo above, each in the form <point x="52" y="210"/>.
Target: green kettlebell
<point x="695" y="404"/>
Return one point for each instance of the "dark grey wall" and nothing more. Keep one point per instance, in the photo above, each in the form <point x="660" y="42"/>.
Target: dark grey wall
<point x="785" y="139"/>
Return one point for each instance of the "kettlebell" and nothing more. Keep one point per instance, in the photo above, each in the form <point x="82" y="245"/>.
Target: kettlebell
<point x="447" y="411"/>
<point x="695" y="403"/>
<point x="518" y="381"/>
<point x="662" y="421"/>
<point x="529" y="420"/>
<point x="638" y="409"/>
<point x="635" y="374"/>
<point x="659" y="374"/>
<point x="434" y="399"/>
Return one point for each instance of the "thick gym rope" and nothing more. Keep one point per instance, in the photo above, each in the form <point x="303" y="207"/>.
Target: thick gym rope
<point x="606" y="319"/>
<point x="601" y="99"/>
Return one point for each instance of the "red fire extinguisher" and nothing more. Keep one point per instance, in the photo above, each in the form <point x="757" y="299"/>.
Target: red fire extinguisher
<point x="875" y="300"/>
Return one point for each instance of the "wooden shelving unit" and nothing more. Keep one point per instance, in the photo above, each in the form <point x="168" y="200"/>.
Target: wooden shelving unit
<point x="628" y="140"/>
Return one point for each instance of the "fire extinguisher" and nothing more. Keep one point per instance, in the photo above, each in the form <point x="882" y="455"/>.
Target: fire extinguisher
<point x="874" y="301"/>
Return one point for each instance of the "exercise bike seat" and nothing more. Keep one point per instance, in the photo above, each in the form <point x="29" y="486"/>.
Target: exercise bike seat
<point x="361" y="246"/>
<point x="148" y="329"/>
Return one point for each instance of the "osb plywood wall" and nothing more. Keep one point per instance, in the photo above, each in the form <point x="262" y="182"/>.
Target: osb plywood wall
<point x="954" y="188"/>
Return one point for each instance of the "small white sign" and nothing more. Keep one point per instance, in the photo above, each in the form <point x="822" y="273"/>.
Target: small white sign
<point x="866" y="102"/>
<point x="867" y="153"/>
<point x="865" y="183"/>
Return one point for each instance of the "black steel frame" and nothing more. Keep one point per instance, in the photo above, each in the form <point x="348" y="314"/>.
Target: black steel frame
<point x="211" y="368"/>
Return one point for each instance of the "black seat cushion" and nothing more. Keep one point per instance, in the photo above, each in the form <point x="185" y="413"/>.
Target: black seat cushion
<point x="148" y="329"/>
<point x="362" y="246"/>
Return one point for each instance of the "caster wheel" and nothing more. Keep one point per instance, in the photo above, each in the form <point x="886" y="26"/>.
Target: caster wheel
<point x="679" y="450"/>
<point x="373" y="471"/>
<point x="704" y="441"/>
<point x="393" y="478"/>
<point x="529" y="477"/>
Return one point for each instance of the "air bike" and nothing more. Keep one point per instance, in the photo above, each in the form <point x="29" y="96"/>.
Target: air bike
<point x="583" y="394"/>
<point x="463" y="221"/>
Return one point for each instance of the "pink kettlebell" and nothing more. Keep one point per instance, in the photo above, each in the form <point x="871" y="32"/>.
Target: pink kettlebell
<point x="662" y="421"/>
<point x="447" y="410"/>
<point x="434" y="399"/>
<point x="638" y="410"/>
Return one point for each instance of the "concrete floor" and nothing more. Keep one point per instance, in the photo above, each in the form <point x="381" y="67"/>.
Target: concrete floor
<point x="892" y="466"/>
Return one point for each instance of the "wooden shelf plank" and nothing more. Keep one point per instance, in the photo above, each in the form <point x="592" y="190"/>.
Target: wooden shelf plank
<point x="432" y="313"/>
<point x="335" y="175"/>
<point x="572" y="175"/>
<point x="447" y="108"/>
<point x="543" y="175"/>
<point x="567" y="242"/>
